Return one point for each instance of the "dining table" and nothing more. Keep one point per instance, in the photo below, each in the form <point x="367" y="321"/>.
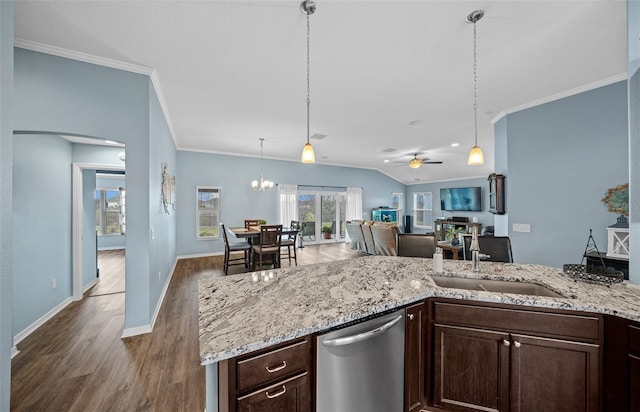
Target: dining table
<point x="252" y="234"/>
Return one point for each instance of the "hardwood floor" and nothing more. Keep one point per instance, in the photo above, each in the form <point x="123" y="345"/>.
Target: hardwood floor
<point x="111" y="264"/>
<point x="78" y="362"/>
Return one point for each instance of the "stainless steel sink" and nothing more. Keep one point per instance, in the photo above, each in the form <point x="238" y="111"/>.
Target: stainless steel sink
<point x="500" y="286"/>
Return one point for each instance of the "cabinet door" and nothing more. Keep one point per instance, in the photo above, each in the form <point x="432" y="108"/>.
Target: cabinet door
<point x="414" y="358"/>
<point x="553" y="375"/>
<point x="471" y="369"/>
<point x="634" y="383"/>
<point x="291" y="395"/>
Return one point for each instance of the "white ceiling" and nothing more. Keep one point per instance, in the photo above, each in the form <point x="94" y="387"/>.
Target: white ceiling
<point x="230" y="72"/>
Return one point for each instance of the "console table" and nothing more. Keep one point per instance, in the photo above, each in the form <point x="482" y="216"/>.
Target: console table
<point x="441" y="227"/>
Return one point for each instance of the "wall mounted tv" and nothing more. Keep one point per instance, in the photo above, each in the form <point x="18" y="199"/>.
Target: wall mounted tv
<point x="456" y="199"/>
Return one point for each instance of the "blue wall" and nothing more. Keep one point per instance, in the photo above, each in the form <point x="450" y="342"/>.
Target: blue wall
<point x="239" y="201"/>
<point x="562" y="158"/>
<point x="484" y="217"/>
<point x="6" y="195"/>
<point x="42" y="222"/>
<point x="55" y="94"/>
<point x="163" y="226"/>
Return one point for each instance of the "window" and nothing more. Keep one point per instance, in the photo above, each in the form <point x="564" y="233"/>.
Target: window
<point x="208" y="212"/>
<point x="397" y="202"/>
<point x="422" y="210"/>
<point x="110" y="212"/>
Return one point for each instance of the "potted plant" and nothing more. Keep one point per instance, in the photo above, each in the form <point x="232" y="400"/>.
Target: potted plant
<point x="326" y="232"/>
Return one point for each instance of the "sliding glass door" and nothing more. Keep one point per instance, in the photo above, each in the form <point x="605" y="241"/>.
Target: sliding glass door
<point x="322" y="215"/>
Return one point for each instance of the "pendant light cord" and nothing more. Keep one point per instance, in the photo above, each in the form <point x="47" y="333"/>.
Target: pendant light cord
<point x="475" y="83"/>
<point x="261" y="160"/>
<point x="308" y="75"/>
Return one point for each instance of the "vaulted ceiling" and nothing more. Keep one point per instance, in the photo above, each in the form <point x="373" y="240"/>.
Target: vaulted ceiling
<point x="384" y="74"/>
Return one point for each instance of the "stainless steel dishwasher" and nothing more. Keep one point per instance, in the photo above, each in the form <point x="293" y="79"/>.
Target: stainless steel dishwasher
<point x="361" y="367"/>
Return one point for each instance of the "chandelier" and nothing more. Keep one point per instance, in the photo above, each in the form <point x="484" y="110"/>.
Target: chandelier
<point x="261" y="185"/>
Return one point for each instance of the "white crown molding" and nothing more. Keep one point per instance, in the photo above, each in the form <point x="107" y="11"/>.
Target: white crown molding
<point x="571" y="92"/>
<point x="102" y="61"/>
<point x="455" y="179"/>
<point x="83" y="57"/>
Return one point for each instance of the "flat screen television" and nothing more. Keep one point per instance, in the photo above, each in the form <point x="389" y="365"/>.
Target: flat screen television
<point x="467" y="199"/>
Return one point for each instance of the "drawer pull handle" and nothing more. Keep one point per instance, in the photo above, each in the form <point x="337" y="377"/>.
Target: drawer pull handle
<point x="277" y="368"/>
<point x="275" y="395"/>
<point x="506" y="342"/>
<point x="410" y="316"/>
<point x="517" y="344"/>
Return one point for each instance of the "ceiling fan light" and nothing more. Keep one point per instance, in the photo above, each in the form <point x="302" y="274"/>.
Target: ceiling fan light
<point x="308" y="155"/>
<point x="415" y="163"/>
<point x="475" y="156"/>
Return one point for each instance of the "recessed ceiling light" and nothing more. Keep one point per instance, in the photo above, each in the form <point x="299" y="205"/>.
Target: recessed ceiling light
<point x="386" y="160"/>
<point x="455" y="144"/>
<point x="416" y="122"/>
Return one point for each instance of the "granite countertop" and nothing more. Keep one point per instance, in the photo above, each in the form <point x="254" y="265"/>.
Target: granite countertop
<point x="250" y="311"/>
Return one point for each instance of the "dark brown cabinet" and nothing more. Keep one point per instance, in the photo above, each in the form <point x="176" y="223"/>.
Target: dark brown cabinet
<point x="496" y="194"/>
<point x="414" y="365"/>
<point x="621" y="365"/>
<point x="553" y="375"/>
<point x="270" y="380"/>
<point x="288" y="395"/>
<point x="501" y="358"/>
<point x="471" y="369"/>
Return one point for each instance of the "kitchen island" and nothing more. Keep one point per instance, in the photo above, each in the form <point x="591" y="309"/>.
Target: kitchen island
<point x="247" y="312"/>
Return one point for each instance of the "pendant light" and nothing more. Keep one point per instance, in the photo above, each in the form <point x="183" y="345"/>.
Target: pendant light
<point x="261" y="185"/>
<point x="308" y="7"/>
<point x="475" y="156"/>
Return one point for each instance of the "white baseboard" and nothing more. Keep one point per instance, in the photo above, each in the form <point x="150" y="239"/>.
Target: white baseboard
<point x="100" y="249"/>
<point x="35" y="325"/>
<point x="90" y="285"/>
<point x="138" y="330"/>
<point x="14" y="351"/>
<point x="141" y="330"/>
<point x="200" y="255"/>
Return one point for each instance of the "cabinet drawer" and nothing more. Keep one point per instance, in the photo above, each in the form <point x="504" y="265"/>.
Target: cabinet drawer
<point x="292" y="394"/>
<point x="516" y="320"/>
<point x="272" y="365"/>
<point x="634" y="340"/>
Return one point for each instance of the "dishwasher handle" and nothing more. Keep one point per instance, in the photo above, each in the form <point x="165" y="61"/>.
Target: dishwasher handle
<point x="348" y="340"/>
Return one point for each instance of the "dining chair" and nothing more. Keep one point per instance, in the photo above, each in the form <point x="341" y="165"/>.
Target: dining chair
<point x="290" y="242"/>
<point x="416" y="245"/>
<point x="244" y="247"/>
<point x="492" y="248"/>
<point x="270" y="242"/>
<point x="251" y="222"/>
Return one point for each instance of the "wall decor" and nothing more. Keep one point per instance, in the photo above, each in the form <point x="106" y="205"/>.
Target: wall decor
<point x="617" y="199"/>
<point x="168" y="189"/>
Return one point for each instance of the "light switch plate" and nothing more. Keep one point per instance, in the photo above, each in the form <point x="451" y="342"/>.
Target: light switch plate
<point x="522" y="227"/>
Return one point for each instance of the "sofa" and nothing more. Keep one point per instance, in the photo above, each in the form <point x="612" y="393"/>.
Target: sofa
<point x="374" y="238"/>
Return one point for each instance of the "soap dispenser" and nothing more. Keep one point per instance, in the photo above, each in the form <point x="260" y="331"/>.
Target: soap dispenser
<point x="437" y="261"/>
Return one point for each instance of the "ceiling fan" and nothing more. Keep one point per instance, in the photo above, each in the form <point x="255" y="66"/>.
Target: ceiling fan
<point x="416" y="162"/>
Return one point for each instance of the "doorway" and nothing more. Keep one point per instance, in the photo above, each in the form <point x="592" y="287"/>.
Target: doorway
<point x="85" y="240"/>
<point x="322" y="216"/>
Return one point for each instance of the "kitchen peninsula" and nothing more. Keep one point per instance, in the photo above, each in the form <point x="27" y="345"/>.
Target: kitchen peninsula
<point x="250" y="312"/>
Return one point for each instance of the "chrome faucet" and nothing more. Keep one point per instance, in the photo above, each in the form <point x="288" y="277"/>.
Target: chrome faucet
<point x="475" y="250"/>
